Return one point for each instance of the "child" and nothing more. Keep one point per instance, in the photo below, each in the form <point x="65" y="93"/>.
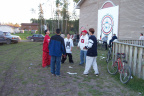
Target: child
<point x="91" y="54"/>
<point x="46" y="56"/>
<point x="68" y="46"/>
<point x="82" y="43"/>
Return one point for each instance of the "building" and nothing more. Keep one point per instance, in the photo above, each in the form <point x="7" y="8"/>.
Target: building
<point x="29" y="26"/>
<point x="122" y="17"/>
<point x="8" y="28"/>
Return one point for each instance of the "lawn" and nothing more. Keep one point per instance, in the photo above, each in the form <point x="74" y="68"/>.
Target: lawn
<point x="22" y="75"/>
<point x="26" y="34"/>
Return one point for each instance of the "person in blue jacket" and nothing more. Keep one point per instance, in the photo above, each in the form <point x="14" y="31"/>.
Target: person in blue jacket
<point x="113" y="38"/>
<point x="56" y="49"/>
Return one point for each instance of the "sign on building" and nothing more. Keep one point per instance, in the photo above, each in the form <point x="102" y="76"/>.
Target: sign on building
<point x="108" y="22"/>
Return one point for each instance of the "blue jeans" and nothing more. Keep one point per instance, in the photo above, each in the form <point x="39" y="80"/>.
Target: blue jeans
<point x="83" y="56"/>
<point x="55" y="65"/>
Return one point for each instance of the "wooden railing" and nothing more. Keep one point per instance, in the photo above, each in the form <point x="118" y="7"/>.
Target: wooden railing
<point x="136" y="42"/>
<point x="134" y="55"/>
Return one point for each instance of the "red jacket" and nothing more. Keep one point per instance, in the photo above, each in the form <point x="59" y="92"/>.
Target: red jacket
<point x="46" y="43"/>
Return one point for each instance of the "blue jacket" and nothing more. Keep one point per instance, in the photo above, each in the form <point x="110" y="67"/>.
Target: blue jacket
<point x="57" y="46"/>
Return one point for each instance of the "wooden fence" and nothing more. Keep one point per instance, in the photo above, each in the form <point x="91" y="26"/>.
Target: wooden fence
<point x="136" y="42"/>
<point x="134" y="54"/>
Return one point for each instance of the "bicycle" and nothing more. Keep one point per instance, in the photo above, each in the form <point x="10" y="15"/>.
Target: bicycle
<point x="109" y="54"/>
<point x="120" y="66"/>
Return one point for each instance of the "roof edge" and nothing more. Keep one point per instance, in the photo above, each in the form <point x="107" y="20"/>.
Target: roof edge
<point x="79" y="4"/>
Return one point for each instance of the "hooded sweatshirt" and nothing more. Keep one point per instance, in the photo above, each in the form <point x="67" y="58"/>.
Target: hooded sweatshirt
<point x="83" y="42"/>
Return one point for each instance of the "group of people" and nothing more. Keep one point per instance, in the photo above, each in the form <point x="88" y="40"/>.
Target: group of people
<point x="105" y="38"/>
<point x="56" y="49"/>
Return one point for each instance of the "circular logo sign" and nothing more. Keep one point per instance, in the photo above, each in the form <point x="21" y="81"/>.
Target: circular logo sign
<point x="107" y="24"/>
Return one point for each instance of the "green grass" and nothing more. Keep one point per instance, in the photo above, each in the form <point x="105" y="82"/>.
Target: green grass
<point x="135" y="83"/>
<point x="26" y="34"/>
<point x="16" y="70"/>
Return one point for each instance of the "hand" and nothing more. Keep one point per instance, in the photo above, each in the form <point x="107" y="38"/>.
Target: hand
<point x="77" y="47"/>
<point x="64" y="56"/>
<point x="84" y="48"/>
<point x="71" y="49"/>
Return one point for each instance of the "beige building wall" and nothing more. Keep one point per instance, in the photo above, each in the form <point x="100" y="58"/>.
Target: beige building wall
<point x="131" y="16"/>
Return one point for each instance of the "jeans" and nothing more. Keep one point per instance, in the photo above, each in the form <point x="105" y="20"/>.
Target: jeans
<point x="55" y="65"/>
<point x="83" y="56"/>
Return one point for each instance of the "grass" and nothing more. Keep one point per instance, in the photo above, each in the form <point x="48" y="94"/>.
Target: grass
<point x="27" y="33"/>
<point x="21" y="69"/>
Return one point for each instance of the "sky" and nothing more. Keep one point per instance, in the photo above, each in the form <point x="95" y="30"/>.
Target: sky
<point x="19" y="11"/>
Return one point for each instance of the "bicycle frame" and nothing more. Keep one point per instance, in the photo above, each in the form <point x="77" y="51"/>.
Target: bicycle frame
<point x="120" y="65"/>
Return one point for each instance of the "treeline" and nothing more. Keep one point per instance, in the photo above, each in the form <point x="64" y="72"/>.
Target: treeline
<point x="66" y="26"/>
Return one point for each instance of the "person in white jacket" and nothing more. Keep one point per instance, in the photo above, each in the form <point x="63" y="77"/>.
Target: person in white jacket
<point x="82" y="43"/>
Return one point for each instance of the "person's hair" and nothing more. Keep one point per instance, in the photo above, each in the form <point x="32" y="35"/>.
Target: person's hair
<point x="45" y="31"/>
<point x="68" y="34"/>
<point x="114" y="34"/>
<point x="142" y="34"/>
<point x="92" y="30"/>
<point x="57" y="31"/>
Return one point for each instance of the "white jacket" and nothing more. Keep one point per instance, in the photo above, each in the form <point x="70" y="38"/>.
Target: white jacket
<point x="83" y="42"/>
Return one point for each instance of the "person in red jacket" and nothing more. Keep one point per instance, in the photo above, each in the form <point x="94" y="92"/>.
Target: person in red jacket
<point x="46" y="57"/>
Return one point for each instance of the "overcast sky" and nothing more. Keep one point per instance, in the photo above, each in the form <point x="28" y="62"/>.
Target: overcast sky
<point x="19" y="11"/>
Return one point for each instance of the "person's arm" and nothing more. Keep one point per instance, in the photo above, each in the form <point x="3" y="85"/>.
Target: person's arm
<point x="90" y="44"/>
<point x="86" y="41"/>
<point x="79" y="42"/>
<point x="63" y="47"/>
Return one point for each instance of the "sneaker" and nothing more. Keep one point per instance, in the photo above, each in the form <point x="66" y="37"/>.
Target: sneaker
<point x="57" y="75"/>
<point x="97" y="75"/>
<point x="81" y="64"/>
<point x="71" y="62"/>
<point x="53" y="74"/>
<point x="85" y="74"/>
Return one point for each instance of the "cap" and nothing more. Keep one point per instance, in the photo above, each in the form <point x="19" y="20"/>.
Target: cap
<point x="84" y="31"/>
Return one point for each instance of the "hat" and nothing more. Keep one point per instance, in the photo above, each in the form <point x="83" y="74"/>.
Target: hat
<point x="84" y="31"/>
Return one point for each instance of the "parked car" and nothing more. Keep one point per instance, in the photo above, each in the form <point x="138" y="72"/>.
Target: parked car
<point x="6" y="37"/>
<point x="36" y="37"/>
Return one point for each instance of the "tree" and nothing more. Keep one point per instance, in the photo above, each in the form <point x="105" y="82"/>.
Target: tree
<point x="76" y="1"/>
<point x="41" y="19"/>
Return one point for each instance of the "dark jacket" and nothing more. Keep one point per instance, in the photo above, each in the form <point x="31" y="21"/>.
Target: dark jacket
<point x="92" y="51"/>
<point x="114" y="37"/>
<point x="57" y="46"/>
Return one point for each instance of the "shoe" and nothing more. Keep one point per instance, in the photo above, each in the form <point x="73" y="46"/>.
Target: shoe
<point x="53" y="74"/>
<point x="57" y="75"/>
<point x="81" y="64"/>
<point x="62" y="62"/>
<point x="97" y="75"/>
<point x="85" y="74"/>
<point x="71" y="62"/>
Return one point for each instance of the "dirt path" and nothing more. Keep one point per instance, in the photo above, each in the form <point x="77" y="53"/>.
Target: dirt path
<point x="22" y="75"/>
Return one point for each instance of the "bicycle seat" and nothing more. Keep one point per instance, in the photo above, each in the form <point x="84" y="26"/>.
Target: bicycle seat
<point x="125" y="61"/>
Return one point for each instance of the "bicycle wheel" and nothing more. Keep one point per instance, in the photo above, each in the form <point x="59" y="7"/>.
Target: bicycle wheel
<point x="125" y="74"/>
<point x="112" y="67"/>
<point x="108" y="57"/>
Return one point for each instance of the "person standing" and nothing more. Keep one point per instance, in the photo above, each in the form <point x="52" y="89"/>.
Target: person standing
<point x="141" y="37"/>
<point x="56" y="49"/>
<point x="68" y="46"/>
<point x="77" y="39"/>
<point x="83" y="42"/>
<point x="46" y="57"/>
<point x="91" y="53"/>
<point x="104" y="39"/>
